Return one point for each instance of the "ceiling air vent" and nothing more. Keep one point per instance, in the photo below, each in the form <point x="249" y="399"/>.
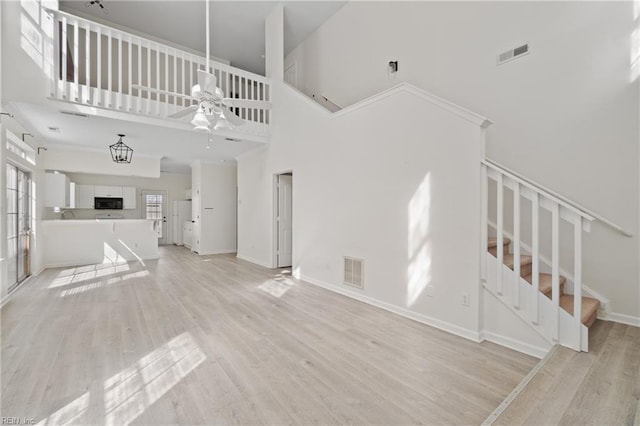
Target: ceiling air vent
<point x="512" y="54"/>
<point x="354" y="272"/>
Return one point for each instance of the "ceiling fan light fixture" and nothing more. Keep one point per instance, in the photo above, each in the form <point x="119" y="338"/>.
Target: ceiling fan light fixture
<point x="222" y="124"/>
<point x="200" y="122"/>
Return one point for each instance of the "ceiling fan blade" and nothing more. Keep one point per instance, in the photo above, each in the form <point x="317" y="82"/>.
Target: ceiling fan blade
<point x="184" y="112"/>
<point x="162" y="92"/>
<point x="246" y="103"/>
<point x="207" y="82"/>
<point x="231" y="117"/>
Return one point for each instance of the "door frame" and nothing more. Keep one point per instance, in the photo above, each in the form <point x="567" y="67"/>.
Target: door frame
<point x="167" y="223"/>
<point x="274" y="217"/>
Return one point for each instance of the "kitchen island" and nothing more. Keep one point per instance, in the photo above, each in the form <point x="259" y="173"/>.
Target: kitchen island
<point x="91" y="241"/>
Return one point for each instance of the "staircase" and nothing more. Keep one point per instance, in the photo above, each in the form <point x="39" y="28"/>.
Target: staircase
<point x="521" y="256"/>
<point x="589" y="305"/>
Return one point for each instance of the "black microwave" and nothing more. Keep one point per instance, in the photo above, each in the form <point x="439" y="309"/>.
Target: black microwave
<point x="111" y="203"/>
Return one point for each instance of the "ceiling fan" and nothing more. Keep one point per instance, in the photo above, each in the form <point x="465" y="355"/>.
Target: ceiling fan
<point x="212" y="108"/>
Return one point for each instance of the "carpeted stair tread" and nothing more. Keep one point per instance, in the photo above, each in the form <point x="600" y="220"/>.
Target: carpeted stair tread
<point x="589" y="307"/>
<point x="525" y="260"/>
<point x="545" y="282"/>
<point x="493" y="242"/>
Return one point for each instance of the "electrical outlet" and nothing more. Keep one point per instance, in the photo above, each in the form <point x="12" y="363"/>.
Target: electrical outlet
<point x="430" y="290"/>
<point x="465" y="299"/>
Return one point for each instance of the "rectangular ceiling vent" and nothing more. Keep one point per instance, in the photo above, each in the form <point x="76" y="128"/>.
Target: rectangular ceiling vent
<point x="77" y="114"/>
<point x="354" y="272"/>
<point x="512" y="54"/>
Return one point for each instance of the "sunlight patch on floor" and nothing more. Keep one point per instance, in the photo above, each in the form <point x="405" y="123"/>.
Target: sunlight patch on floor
<point x="69" y="414"/>
<point x="131" y="391"/>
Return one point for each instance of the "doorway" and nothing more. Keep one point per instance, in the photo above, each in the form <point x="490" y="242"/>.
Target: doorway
<point x="154" y="207"/>
<point x="283" y="224"/>
<point x="18" y="226"/>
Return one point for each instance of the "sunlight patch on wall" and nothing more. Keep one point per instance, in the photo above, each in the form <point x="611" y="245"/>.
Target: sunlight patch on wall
<point x="419" y="246"/>
<point x="635" y="43"/>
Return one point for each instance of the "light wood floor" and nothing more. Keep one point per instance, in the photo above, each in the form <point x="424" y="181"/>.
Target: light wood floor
<point x="210" y="340"/>
<point x="601" y="387"/>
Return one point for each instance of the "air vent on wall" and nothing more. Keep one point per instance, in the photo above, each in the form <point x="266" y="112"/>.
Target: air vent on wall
<point x="77" y="114"/>
<point x="354" y="272"/>
<point x="512" y="54"/>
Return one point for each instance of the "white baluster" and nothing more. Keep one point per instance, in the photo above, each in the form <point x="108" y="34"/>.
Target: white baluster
<point x="120" y="92"/>
<point x="183" y="90"/>
<point x="130" y="74"/>
<point x="500" y="231"/>
<point x="99" y="66"/>
<point x="139" y="92"/>
<point x="484" y="214"/>
<point x="109" y="69"/>
<point x="535" y="252"/>
<point x="517" y="266"/>
<point x="65" y="43"/>
<point x="157" y="79"/>
<point x="555" y="266"/>
<point x="175" y="76"/>
<point x="166" y="81"/>
<point x="577" y="280"/>
<point x="76" y="59"/>
<point x="149" y="78"/>
<point x="87" y="63"/>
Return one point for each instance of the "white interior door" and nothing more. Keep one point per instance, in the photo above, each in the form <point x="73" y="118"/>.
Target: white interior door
<point x="285" y="223"/>
<point x="154" y="206"/>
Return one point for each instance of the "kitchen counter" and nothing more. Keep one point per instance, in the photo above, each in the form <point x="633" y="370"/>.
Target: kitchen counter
<point x="72" y="242"/>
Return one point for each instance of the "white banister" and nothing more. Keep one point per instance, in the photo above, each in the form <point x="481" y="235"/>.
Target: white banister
<point x="564" y="202"/>
<point x="556" y="321"/>
<point x="78" y="73"/>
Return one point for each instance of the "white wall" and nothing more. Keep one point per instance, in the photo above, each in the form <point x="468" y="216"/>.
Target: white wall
<point x="566" y="115"/>
<point x="174" y="183"/>
<point x="98" y="162"/>
<point x="214" y="208"/>
<point x="376" y="183"/>
<point x="28" y="61"/>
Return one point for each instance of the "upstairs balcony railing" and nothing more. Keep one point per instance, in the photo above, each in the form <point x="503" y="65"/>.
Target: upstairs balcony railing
<point x="104" y="67"/>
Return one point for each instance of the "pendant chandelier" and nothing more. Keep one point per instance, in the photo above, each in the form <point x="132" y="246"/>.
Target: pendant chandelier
<point x="121" y="153"/>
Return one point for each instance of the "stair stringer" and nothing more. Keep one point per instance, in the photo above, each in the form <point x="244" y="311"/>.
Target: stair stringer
<point x="555" y="325"/>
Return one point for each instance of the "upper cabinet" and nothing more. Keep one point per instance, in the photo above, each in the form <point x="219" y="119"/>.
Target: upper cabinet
<point x="128" y="197"/>
<point x="57" y="190"/>
<point x="85" y="196"/>
<point x="108" y="191"/>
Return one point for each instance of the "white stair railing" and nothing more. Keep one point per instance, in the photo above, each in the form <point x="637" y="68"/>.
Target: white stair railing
<point x="100" y="66"/>
<point x="507" y="284"/>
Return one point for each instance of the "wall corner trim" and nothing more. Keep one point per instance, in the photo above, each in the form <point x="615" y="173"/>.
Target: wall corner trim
<point x="462" y="112"/>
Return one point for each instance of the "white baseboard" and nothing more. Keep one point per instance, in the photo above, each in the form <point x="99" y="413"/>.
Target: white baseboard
<point x="8" y="297"/>
<point x="433" y="322"/>
<point x="621" y="318"/>
<point x="252" y="260"/>
<point x="516" y="345"/>
<point x="224" y="251"/>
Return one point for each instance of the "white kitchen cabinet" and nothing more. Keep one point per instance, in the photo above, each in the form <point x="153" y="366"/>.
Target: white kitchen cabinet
<point x="57" y="190"/>
<point x="128" y="197"/>
<point x="84" y="196"/>
<point x="108" y="191"/>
